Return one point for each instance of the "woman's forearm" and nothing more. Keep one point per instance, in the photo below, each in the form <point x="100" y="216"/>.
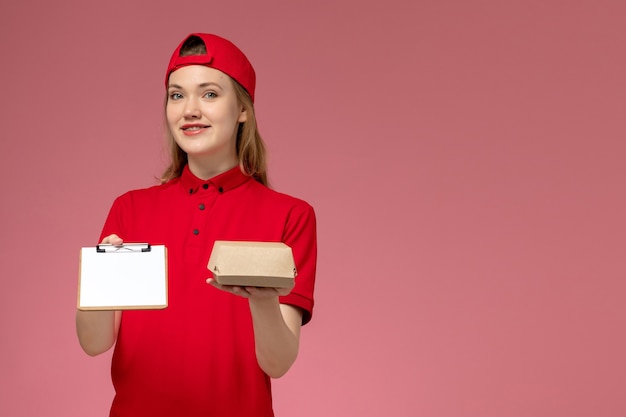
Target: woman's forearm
<point x="97" y="330"/>
<point x="276" y="334"/>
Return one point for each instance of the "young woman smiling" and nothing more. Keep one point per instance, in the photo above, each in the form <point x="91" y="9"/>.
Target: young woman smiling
<point x="215" y="348"/>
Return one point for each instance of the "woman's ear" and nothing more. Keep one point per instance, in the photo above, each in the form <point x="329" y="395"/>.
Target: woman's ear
<point x="243" y="116"/>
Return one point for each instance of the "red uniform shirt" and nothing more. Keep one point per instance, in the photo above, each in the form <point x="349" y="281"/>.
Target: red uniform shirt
<point x="197" y="356"/>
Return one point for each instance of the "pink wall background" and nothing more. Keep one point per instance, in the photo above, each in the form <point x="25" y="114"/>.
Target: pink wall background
<point x="465" y="158"/>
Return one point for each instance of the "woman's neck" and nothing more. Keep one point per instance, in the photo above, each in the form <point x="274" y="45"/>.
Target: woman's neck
<point x="206" y="171"/>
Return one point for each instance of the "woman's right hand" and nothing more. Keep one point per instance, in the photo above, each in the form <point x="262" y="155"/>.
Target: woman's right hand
<point x="97" y="330"/>
<point x="112" y="240"/>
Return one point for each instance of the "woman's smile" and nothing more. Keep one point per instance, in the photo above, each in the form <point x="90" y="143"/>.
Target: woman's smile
<point x="194" y="129"/>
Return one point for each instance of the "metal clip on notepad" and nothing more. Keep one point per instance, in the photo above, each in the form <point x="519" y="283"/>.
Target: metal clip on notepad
<point x="124" y="248"/>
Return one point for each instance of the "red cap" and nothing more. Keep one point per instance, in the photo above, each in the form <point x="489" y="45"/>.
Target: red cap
<point x="222" y="55"/>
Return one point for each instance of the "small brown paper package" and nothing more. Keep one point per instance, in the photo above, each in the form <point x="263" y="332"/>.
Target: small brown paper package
<point x="252" y="264"/>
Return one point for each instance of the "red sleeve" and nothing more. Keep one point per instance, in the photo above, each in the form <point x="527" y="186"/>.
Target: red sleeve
<point x="300" y="234"/>
<point x="115" y="220"/>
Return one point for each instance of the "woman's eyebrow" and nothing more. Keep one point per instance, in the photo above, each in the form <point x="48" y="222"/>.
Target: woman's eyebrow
<point x="208" y="84"/>
<point x="202" y="85"/>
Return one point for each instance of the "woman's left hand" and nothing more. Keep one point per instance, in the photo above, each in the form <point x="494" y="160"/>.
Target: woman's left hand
<point x="250" y="292"/>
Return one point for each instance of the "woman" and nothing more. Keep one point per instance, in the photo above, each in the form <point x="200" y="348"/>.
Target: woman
<point x="214" y="349"/>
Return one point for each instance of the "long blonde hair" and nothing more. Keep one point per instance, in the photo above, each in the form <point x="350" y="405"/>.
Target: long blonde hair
<point x="251" y="150"/>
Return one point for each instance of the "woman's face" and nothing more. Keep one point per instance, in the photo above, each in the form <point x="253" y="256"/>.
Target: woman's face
<point x="203" y="115"/>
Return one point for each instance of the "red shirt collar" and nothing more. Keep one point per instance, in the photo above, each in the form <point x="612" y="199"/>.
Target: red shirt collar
<point x="223" y="182"/>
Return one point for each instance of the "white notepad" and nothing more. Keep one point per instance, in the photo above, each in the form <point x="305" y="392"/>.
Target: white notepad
<point x="125" y="277"/>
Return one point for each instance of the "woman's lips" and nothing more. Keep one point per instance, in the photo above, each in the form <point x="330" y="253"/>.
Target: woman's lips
<point x="190" y="130"/>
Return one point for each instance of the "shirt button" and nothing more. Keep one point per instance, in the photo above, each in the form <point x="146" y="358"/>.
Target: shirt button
<point x="205" y="186"/>
<point x="191" y="191"/>
<point x="221" y="190"/>
<point x="201" y="206"/>
<point x="196" y="231"/>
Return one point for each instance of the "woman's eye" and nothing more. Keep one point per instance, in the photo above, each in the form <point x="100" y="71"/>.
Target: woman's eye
<point x="175" y="96"/>
<point x="210" y="94"/>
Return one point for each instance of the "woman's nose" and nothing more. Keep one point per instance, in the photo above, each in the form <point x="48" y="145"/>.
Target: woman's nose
<point x="192" y="109"/>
